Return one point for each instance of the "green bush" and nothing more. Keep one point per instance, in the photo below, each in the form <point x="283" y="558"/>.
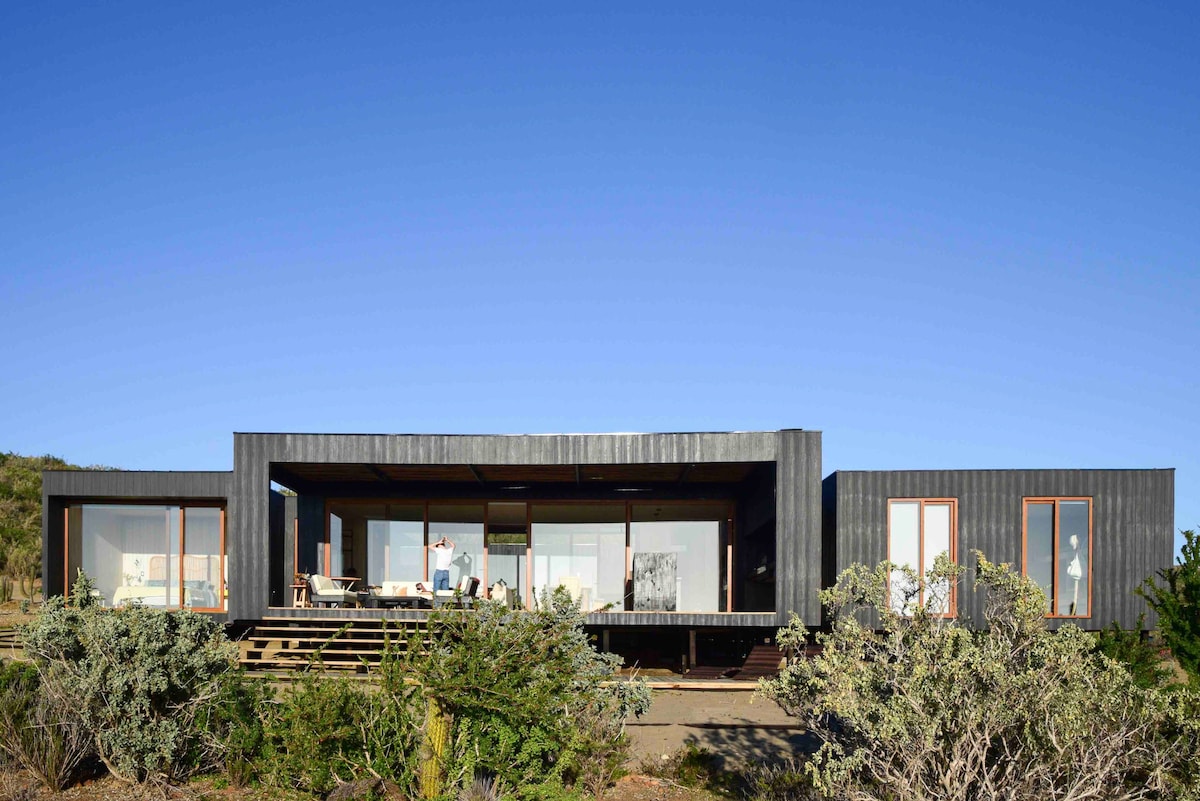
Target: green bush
<point x="1177" y="602"/>
<point x="923" y="707"/>
<point x="1139" y="656"/>
<point x="138" y="678"/>
<point x="233" y="727"/>
<point x="313" y="736"/>
<point x="527" y="699"/>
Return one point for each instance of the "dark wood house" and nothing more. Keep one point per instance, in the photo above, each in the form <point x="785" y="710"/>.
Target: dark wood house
<point x="671" y="542"/>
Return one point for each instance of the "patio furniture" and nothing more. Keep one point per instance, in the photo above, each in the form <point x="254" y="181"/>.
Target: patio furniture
<point x="326" y="591"/>
<point x="464" y="593"/>
<point x="400" y="593"/>
<point x="504" y="595"/>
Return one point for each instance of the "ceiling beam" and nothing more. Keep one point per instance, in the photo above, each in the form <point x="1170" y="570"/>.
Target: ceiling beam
<point x="379" y="474"/>
<point x="475" y="472"/>
<point x="683" y="474"/>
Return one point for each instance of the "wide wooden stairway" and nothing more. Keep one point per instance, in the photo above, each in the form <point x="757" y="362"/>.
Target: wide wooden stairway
<point x="285" y="645"/>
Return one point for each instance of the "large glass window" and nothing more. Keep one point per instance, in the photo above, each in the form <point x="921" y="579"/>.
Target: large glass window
<point x="463" y="525"/>
<point x="395" y="544"/>
<point x="507" y="546"/>
<point x="581" y="547"/>
<point x="203" y="581"/>
<point x="1057" y="553"/>
<point x="157" y="555"/>
<point x="919" y="531"/>
<point x="679" y="557"/>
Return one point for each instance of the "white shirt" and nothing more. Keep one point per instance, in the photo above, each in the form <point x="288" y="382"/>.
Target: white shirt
<point x="444" y="555"/>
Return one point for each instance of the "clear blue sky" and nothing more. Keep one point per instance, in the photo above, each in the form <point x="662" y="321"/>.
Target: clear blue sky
<point x="951" y="235"/>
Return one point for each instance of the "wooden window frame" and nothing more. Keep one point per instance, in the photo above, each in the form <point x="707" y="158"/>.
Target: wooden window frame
<point x="728" y="516"/>
<point x="1055" y="500"/>
<point x="183" y="504"/>
<point x="952" y="610"/>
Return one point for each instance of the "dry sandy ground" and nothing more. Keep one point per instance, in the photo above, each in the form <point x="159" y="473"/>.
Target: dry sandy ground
<point x="737" y="726"/>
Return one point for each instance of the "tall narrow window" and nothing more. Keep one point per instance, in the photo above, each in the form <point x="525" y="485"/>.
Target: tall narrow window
<point x="1058" y="553"/>
<point x="919" y="531"/>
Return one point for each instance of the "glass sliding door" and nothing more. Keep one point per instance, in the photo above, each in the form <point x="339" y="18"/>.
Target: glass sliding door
<point x="507" y="546"/>
<point x="203" y="568"/>
<point x="155" y="555"/>
<point x="679" y="559"/>
<point x="463" y="525"/>
<point x="395" y="544"/>
<point x="580" y="547"/>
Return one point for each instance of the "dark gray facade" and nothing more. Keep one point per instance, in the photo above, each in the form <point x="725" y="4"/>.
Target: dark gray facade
<point x="782" y="496"/>
<point x="63" y="487"/>
<point x="792" y="532"/>
<point x="1132" y="525"/>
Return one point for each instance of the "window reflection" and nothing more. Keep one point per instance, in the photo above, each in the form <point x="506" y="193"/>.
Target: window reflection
<point x="155" y="555"/>
<point x="678" y="557"/>
<point x="582" y="548"/>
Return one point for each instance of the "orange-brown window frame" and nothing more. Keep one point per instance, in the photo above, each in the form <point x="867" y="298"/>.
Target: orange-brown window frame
<point x="952" y="610"/>
<point x="1055" y="500"/>
<point x="183" y="504"/>
<point x="728" y="506"/>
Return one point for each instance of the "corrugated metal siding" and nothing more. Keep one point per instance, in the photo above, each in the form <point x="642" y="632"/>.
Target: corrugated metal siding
<point x="1132" y="524"/>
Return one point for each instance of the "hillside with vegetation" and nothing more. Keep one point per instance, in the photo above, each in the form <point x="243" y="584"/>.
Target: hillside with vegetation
<point x="21" y="519"/>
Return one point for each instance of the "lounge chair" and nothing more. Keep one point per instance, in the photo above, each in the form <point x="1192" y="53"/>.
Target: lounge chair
<point x="325" y="590"/>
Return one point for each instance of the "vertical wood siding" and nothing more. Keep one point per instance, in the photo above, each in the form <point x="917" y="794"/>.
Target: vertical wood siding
<point x="798" y="526"/>
<point x="254" y="453"/>
<point x="63" y="487"/>
<point x="1132" y="525"/>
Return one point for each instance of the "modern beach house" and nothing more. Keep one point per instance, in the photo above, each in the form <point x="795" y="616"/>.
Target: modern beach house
<point x="675" y="545"/>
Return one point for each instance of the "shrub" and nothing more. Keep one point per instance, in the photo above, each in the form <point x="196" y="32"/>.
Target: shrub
<point x="924" y="707"/>
<point x="1138" y="655"/>
<point x="523" y="695"/>
<point x="138" y="677"/>
<point x="1177" y="602"/>
<point x="232" y="725"/>
<point x="779" y="781"/>
<point x="691" y="766"/>
<point x="37" y="731"/>
<point x="313" y="736"/>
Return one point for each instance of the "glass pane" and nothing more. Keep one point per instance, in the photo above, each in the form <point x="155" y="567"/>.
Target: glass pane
<point x="904" y="548"/>
<point x="1073" y="553"/>
<point x="202" y="585"/>
<point x="395" y="538"/>
<point x="583" y="549"/>
<point x="125" y="550"/>
<point x="334" y="568"/>
<point x="678" y="561"/>
<point x="172" y="547"/>
<point x="463" y="525"/>
<point x="506" y="538"/>
<point x="937" y="542"/>
<point x="1039" y="546"/>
